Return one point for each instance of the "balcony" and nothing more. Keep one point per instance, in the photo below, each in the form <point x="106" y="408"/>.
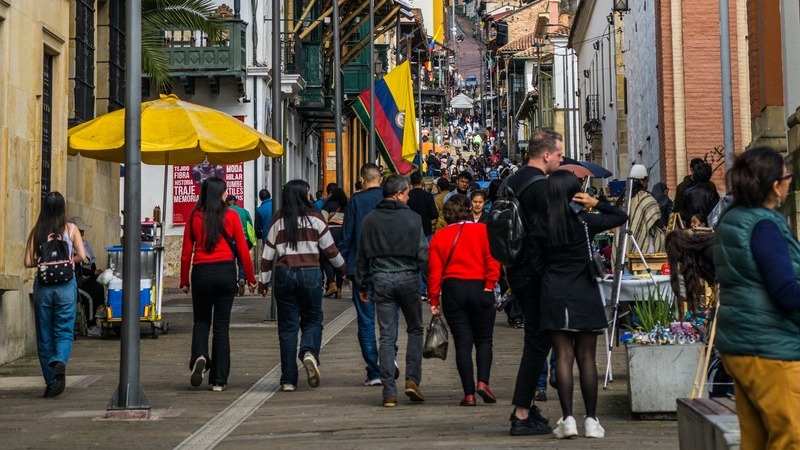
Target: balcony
<point x="192" y="55"/>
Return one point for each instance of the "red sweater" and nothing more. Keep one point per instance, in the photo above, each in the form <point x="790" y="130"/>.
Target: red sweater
<point x="194" y="244"/>
<point x="471" y="259"/>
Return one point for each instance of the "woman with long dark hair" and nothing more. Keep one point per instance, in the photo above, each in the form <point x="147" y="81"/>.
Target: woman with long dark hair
<point x="212" y="234"/>
<point x="54" y="304"/>
<point x="333" y="213"/>
<point x="462" y="273"/>
<point x="757" y="262"/>
<point x="297" y="236"/>
<point x="477" y="200"/>
<point x="572" y="309"/>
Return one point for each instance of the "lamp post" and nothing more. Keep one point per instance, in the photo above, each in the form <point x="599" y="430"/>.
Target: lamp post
<point x="337" y="92"/>
<point x="508" y="106"/>
<point x="371" y="148"/>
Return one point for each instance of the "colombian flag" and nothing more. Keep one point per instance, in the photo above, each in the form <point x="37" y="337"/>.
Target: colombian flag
<point x="395" y="118"/>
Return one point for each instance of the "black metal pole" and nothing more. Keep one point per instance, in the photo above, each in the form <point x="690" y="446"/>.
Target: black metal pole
<point x="337" y="92"/>
<point x="129" y="400"/>
<point x="371" y="149"/>
<point x="277" y="104"/>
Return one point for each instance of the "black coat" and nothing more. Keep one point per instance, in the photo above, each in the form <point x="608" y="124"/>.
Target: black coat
<point x="570" y="295"/>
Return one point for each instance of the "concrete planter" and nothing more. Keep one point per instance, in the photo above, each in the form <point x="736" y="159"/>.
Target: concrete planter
<point x="659" y="374"/>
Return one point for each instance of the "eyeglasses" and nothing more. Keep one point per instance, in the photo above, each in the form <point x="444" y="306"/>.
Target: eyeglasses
<point x="788" y="176"/>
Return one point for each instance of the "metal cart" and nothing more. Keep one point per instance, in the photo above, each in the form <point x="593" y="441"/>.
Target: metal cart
<point x="151" y="288"/>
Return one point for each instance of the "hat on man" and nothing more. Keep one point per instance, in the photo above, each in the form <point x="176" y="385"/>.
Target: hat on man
<point x="82" y="226"/>
<point x="638" y="172"/>
<point x="231" y="198"/>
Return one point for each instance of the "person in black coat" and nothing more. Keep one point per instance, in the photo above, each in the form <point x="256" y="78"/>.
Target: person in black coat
<point x="572" y="310"/>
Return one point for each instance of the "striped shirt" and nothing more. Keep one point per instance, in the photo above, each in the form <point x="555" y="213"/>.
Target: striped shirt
<point x="313" y="236"/>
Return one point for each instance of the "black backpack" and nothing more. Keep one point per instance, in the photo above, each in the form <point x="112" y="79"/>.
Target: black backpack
<point x="55" y="264"/>
<point x="506" y="226"/>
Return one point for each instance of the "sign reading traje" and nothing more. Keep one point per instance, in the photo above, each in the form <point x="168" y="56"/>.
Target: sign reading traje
<point x="186" y="182"/>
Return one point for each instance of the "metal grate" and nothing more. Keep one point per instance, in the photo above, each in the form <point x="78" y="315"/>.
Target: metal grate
<point x="84" y="60"/>
<point x="47" y="122"/>
<point x="116" y="55"/>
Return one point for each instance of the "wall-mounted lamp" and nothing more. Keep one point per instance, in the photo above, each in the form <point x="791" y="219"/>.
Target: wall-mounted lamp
<point x="610" y="18"/>
<point x="621" y="6"/>
<point x="591" y="128"/>
<point x="586" y="73"/>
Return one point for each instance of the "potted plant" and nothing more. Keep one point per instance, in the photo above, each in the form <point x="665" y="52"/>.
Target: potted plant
<point x="659" y="371"/>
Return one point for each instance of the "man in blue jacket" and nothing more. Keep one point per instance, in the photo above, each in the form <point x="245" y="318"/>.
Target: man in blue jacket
<point x="361" y="204"/>
<point x="263" y="215"/>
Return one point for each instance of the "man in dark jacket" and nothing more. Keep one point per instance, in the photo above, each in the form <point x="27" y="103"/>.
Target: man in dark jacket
<point x="361" y="204"/>
<point x="421" y="202"/>
<point x="701" y="197"/>
<point x="391" y="254"/>
<point x="688" y="181"/>
<point x="544" y="156"/>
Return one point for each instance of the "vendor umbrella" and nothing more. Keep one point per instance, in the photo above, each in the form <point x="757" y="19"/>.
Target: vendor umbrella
<point x="595" y="170"/>
<point x="577" y="169"/>
<point x="173" y="132"/>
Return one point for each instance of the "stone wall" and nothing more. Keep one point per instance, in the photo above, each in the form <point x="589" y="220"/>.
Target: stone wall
<point x="641" y="86"/>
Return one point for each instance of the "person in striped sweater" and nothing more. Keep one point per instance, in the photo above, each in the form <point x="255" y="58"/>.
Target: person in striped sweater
<point x="293" y="244"/>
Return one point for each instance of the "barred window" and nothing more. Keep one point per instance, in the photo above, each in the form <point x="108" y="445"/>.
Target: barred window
<point x="84" y="60"/>
<point x="47" y="122"/>
<point x="116" y="56"/>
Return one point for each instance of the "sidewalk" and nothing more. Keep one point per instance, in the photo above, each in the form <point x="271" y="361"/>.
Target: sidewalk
<point x="341" y="413"/>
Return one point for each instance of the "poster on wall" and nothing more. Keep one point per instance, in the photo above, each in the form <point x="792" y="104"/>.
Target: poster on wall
<point x="186" y="181"/>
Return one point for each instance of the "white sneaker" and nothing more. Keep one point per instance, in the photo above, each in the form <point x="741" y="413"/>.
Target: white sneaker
<point x="94" y="332"/>
<point x="593" y="428"/>
<point x="373" y="382"/>
<point x="566" y="428"/>
<point x="287" y="387"/>
<point x="218" y="387"/>
<point x="310" y="363"/>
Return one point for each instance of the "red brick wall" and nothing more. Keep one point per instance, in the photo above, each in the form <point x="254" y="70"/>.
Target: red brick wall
<point x="756" y="99"/>
<point x="666" y="128"/>
<point x="702" y="85"/>
<point x="702" y="81"/>
<point x="764" y="49"/>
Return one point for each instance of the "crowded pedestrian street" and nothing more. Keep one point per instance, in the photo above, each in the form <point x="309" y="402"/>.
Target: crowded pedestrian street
<point x="252" y="413"/>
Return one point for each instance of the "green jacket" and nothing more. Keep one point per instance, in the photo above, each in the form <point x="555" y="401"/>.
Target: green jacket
<point x="247" y="224"/>
<point x="748" y="322"/>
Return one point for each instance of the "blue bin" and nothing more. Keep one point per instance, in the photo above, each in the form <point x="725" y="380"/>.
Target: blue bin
<point x="115" y="299"/>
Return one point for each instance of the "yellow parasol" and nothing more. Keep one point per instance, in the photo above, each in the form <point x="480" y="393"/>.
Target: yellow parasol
<point x="173" y="132"/>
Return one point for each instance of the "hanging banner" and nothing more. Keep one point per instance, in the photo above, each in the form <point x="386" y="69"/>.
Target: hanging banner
<point x="186" y="181"/>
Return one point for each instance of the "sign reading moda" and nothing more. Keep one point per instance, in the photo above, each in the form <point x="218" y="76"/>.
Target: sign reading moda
<point x="394" y="118"/>
<point x="186" y="181"/>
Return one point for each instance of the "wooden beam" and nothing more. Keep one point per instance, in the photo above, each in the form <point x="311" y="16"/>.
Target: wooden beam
<point x="352" y="54"/>
<point x="352" y="16"/>
<point x="319" y="20"/>
<point x="302" y="17"/>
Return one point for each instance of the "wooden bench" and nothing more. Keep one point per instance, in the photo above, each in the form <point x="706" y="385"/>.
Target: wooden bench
<point x="708" y="423"/>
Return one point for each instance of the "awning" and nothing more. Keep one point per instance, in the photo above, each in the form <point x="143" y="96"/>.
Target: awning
<point x="461" y="101"/>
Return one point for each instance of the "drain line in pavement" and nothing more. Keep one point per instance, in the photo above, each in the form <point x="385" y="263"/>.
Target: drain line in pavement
<point x="216" y="429"/>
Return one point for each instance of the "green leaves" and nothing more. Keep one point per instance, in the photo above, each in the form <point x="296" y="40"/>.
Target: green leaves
<point x="653" y="308"/>
<point x="160" y="15"/>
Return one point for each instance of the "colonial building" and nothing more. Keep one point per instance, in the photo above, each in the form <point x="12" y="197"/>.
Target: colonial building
<point x="61" y="53"/>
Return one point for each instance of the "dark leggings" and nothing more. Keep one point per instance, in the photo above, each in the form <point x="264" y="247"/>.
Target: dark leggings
<point x="581" y="346"/>
<point x="470" y="314"/>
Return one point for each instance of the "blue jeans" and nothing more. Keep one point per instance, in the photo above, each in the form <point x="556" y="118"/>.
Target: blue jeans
<point x="542" y="384"/>
<point x="423" y="286"/>
<point x="54" y="308"/>
<point x="298" y="295"/>
<point x="393" y="291"/>
<point x="213" y="289"/>
<point x="366" y="333"/>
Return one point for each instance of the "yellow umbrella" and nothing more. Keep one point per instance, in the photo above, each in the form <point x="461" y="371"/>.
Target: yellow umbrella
<point x="173" y="132"/>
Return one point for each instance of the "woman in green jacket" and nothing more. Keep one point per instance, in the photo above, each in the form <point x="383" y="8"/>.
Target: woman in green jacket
<point x="757" y="260"/>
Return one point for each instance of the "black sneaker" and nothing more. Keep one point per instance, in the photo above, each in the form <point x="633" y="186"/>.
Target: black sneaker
<point x="541" y="395"/>
<point x="529" y="426"/>
<point x="61" y="379"/>
<point x="536" y="414"/>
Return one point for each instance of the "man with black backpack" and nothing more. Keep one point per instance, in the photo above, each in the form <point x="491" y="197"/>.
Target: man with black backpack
<point x="525" y="277"/>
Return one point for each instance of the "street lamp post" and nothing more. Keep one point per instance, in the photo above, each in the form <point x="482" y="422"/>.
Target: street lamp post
<point x="539" y="82"/>
<point x="371" y="149"/>
<point x="419" y="102"/>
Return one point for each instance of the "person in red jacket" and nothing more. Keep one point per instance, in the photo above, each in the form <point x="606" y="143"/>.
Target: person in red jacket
<point x="212" y="235"/>
<point x="462" y="273"/>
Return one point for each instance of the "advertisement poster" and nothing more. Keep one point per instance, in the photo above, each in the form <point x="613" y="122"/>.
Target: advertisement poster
<point x="186" y="181"/>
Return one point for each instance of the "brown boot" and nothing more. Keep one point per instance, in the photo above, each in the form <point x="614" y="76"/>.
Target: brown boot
<point x="331" y="291"/>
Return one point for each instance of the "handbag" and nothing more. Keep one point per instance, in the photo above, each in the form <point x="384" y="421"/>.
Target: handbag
<point x="597" y="266"/>
<point x="436" y="339"/>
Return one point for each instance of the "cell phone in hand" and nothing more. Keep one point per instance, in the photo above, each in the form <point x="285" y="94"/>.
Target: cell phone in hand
<point x="575" y="207"/>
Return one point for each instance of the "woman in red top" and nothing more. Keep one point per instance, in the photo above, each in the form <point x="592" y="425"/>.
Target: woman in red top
<point x="463" y="273"/>
<point x="208" y="250"/>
